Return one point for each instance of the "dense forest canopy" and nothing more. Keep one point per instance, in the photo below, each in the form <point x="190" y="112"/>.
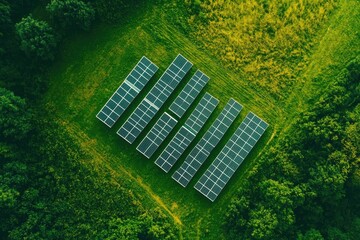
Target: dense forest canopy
<point x="308" y="184"/>
<point x="305" y="186"/>
<point x="45" y="190"/>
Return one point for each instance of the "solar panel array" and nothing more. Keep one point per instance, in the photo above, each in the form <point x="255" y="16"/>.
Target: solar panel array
<point x="127" y="91"/>
<point x="187" y="133"/>
<point x="231" y="156"/>
<point x="156" y="135"/>
<point x="208" y="142"/>
<point x="212" y="182"/>
<point x="189" y="93"/>
<point x="151" y="104"/>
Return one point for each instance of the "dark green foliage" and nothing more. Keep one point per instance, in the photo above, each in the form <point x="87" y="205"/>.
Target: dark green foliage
<point x="114" y="11"/>
<point x="334" y="233"/>
<point x="149" y="225"/>
<point x="46" y="191"/>
<point x="5" y="19"/>
<point x="14" y="117"/>
<point x="71" y="14"/>
<point x="312" y="234"/>
<point x="20" y="8"/>
<point x="64" y="199"/>
<point x="308" y="185"/>
<point x="17" y="72"/>
<point x="37" y="38"/>
<point x="6" y="34"/>
<point x="15" y="125"/>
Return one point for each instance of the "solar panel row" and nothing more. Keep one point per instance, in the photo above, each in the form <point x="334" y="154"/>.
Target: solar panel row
<point x="189" y="93"/>
<point x="127" y="91"/>
<point x="187" y="133"/>
<point x="231" y="156"/>
<point x="156" y="135"/>
<point x="153" y="101"/>
<point x="208" y="142"/>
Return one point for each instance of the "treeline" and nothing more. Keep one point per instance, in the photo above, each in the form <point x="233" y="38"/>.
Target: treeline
<point x="46" y="190"/>
<point x="268" y="41"/>
<point x="308" y="185"/>
<point x="28" y="44"/>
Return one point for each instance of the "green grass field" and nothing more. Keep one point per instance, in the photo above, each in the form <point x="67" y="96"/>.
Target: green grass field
<point x="92" y="65"/>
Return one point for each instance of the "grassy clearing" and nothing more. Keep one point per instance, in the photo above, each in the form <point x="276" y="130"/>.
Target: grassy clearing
<point x="337" y="45"/>
<point x="92" y="65"/>
<point x="268" y="41"/>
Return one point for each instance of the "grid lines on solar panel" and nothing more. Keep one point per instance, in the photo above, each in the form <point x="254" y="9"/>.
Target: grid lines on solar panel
<point x="175" y="148"/>
<point x="153" y="101"/>
<point x="189" y="93"/>
<point x="231" y="156"/>
<point x="187" y="133"/>
<point x="208" y="142"/>
<point x="156" y="135"/>
<point x="127" y="91"/>
<point x="201" y="113"/>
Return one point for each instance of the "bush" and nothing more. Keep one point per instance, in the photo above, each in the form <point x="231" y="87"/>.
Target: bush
<point x="37" y="38"/>
<point x="71" y="14"/>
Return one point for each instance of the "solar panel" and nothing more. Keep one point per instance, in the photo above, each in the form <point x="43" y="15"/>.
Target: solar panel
<point x="189" y="93"/>
<point x="208" y="142"/>
<point x="175" y="148"/>
<point x="127" y="91"/>
<point x="201" y="113"/>
<point x="187" y="133"/>
<point x="231" y="156"/>
<point x="153" y="101"/>
<point x="156" y="135"/>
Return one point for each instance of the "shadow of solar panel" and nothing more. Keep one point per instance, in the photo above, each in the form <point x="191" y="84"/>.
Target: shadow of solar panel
<point x="127" y="91"/>
<point x="155" y="98"/>
<point x="231" y="156"/>
<point x="189" y="93"/>
<point x="208" y="142"/>
<point x="156" y="135"/>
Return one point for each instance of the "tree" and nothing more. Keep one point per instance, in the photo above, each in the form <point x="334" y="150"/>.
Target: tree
<point x="334" y="233"/>
<point x="37" y="38"/>
<point x="20" y="8"/>
<point x="4" y="15"/>
<point x="312" y="234"/>
<point x="15" y="124"/>
<point x="5" y="23"/>
<point x="308" y="185"/>
<point x="263" y="223"/>
<point x="354" y="232"/>
<point x="7" y="197"/>
<point x="122" y="229"/>
<point x="115" y="11"/>
<point x="71" y="13"/>
<point x="15" y="120"/>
